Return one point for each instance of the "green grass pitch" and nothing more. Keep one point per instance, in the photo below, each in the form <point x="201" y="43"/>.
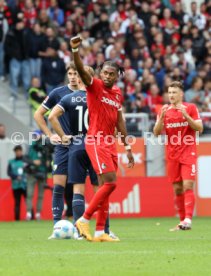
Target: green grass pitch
<point x="146" y="248"/>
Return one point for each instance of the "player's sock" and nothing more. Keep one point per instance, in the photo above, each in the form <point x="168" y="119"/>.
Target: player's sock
<point x="57" y="202"/>
<point x="78" y="206"/>
<point x="187" y="220"/>
<point x="189" y="203"/>
<point x="82" y="219"/>
<point x="180" y="205"/>
<point x="99" y="233"/>
<point x="101" y="195"/>
<point x="102" y="214"/>
<point x="107" y="225"/>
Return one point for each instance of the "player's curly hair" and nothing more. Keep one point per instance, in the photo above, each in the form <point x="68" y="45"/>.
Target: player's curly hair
<point x="177" y="84"/>
<point x="120" y="70"/>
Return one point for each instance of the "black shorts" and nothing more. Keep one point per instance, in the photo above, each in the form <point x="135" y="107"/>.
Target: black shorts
<point x="60" y="161"/>
<point x="79" y="166"/>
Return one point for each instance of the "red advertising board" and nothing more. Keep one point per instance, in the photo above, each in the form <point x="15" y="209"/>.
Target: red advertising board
<point x="139" y="157"/>
<point x="7" y="202"/>
<point x="134" y="197"/>
<point x="140" y="197"/>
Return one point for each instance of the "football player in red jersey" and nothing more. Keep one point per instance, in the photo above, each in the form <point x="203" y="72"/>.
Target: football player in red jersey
<point x="104" y="100"/>
<point x="181" y="122"/>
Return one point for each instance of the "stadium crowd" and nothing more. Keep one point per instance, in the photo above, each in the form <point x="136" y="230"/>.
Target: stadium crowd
<point x="155" y="41"/>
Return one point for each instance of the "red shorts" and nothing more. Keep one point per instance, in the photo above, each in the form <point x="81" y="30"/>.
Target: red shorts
<point x="178" y="172"/>
<point x="103" y="157"/>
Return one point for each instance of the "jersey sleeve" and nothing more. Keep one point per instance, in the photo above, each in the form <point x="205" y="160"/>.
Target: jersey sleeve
<point x="64" y="102"/>
<point x="194" y="113"/>
<point x="50" y="101"/>
<point x="95" y="87"/>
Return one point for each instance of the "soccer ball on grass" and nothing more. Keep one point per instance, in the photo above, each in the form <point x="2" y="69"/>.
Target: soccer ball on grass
<point x="63" y="229"/>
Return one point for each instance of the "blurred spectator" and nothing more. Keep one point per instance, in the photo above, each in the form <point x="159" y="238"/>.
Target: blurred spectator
<point x="44" y="20"/>
<point x="101" y="29"/>
<point x="145" y="13"/>
<point x="30" y="13"/>
<point x="207" y="88"/>
<point x="188" y="54"/>
<point x="165" y="98"/>
<point x="198" y="45"/>
<point x="36" y="94"/>
<point x="17" y="48"/>
<point x="93" y="16"/>
<point x="16" y="172"/>
<point x="198" y="20"/>
<point x="178" y="13"/>
<point x="167" y="18"/>
<point x="5" y="18"/>
<point x="154" y="100"/>
<point x="130" y="22"/>
<point x="36" y="174"/>
<point x="42" y="4"/>
<point x="50" y="41"/>
<point x="68" y="32"/>
<point x="36" y="41"/>
<point x="64" y="53"/>
<point x="78" y="17"/>
<point x="129" y="80"/>
<point x="11" y="4"/>
<point x="53" y="70"/>
<point x="55" y="13"/>
<point x="195" y="94"/>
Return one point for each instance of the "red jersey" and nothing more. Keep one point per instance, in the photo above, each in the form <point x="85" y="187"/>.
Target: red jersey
<point x="103" y="105"/>
<point x="181" y="138"/>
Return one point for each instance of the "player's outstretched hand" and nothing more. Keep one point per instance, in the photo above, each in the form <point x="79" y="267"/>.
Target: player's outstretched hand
<point x="130" y="159"/>
<point x="66" y="139"/>
<point x="55" y="139"/>
<point x="75" y="42"/>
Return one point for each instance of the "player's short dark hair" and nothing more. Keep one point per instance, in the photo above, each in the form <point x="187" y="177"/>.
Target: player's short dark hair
<point x="70" y="65"/>
<point x="177" y="84"/>
<point x="18" y="147"/>
<point x="120" y="70"/>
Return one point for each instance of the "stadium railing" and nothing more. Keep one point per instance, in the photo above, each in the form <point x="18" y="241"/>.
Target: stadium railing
<point x="137" y="123"/>
<point x="206" y="118"/>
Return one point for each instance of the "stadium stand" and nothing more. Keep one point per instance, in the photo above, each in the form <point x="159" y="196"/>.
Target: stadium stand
<point x="155" y="41"/>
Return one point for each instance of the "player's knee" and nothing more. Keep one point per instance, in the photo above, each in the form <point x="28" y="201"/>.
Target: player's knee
<point x="178" y="188"/>
<point x="79" y="189"/>
<point x="60" y="180"/>
<point x="188" y="184"/>
<point x="109" y="177"/>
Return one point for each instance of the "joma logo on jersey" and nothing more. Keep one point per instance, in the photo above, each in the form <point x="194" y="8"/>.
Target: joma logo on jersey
<point x="110" y="102"/>
<point x="173" y="125"/>
<point x="78" y="99"/>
